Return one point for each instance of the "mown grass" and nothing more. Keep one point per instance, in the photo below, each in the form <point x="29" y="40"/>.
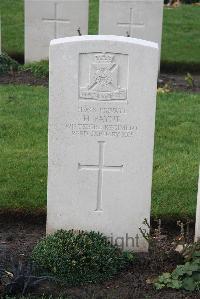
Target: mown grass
<point x="176" y="156"/>
<point x="23" y="148"/>
<point x="181" y="38"/>
<point x="94" y="17"/>
<point x="12" y="18"/>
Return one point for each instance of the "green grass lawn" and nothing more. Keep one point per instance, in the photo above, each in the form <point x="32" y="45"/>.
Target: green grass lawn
<point x="23" y="148"/>
<point x="181" y="38"/>
<point x="12" y="18"/>
<point x="177" y="155"/>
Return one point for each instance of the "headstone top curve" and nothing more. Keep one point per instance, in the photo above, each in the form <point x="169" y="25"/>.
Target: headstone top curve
<point x="95" y="38"/>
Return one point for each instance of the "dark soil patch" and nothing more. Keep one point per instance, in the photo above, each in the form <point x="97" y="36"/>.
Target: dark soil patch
<point x="23" y="77"/>
<point x="17" y="238"/>
<point x="21" y="215"/>
<point x="175" y="82"/>
<point x="19" y="57"/>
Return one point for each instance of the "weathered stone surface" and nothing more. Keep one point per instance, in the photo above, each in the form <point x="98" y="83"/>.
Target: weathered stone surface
<point x="49" y="19"/>
<point x="101" y="135"/>
<point x="137" y="18"/>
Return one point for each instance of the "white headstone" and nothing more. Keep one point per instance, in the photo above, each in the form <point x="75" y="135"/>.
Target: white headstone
<point x="136" y="18"/>
<point x="101" y="135"/>
<point x="49" y="19"/>
<point x="197" y="226"/>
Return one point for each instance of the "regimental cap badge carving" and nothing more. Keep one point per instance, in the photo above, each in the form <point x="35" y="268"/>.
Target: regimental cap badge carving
<point x="103" y="80"/>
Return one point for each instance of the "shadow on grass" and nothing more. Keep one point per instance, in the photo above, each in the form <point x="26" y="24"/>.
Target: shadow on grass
<point x="19" y="57"/>
<point x="180" y="67"/>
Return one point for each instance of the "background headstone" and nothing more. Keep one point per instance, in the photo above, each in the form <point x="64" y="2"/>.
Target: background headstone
<point x="136" y="18"/>
<point x="49" y="19"/>
<point x="197" y="226"/>
<point x="101" y="135"/>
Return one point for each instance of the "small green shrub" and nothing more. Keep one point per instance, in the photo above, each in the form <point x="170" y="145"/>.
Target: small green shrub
<point x="39" y="69"/>
<point x="7" y="64"/>
<point x="79" y="257"/>
<point x="185" y="276"/>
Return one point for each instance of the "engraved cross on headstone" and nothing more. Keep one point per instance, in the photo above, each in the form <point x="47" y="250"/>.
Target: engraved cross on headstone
<point x="131" y="24"/>
<point x="56" y="21"/>
<point x="101" y="168"/>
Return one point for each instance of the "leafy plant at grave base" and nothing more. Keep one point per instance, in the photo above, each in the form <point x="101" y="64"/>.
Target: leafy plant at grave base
<point x="39" y="69"/>
<point x="164" y="89"/>
<point x="189" y="80"/>
<point x="20" y="280"/>
<point x="186" y="276"/>
<point x="79" y="257"/>
<point x="7" y="64"/>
